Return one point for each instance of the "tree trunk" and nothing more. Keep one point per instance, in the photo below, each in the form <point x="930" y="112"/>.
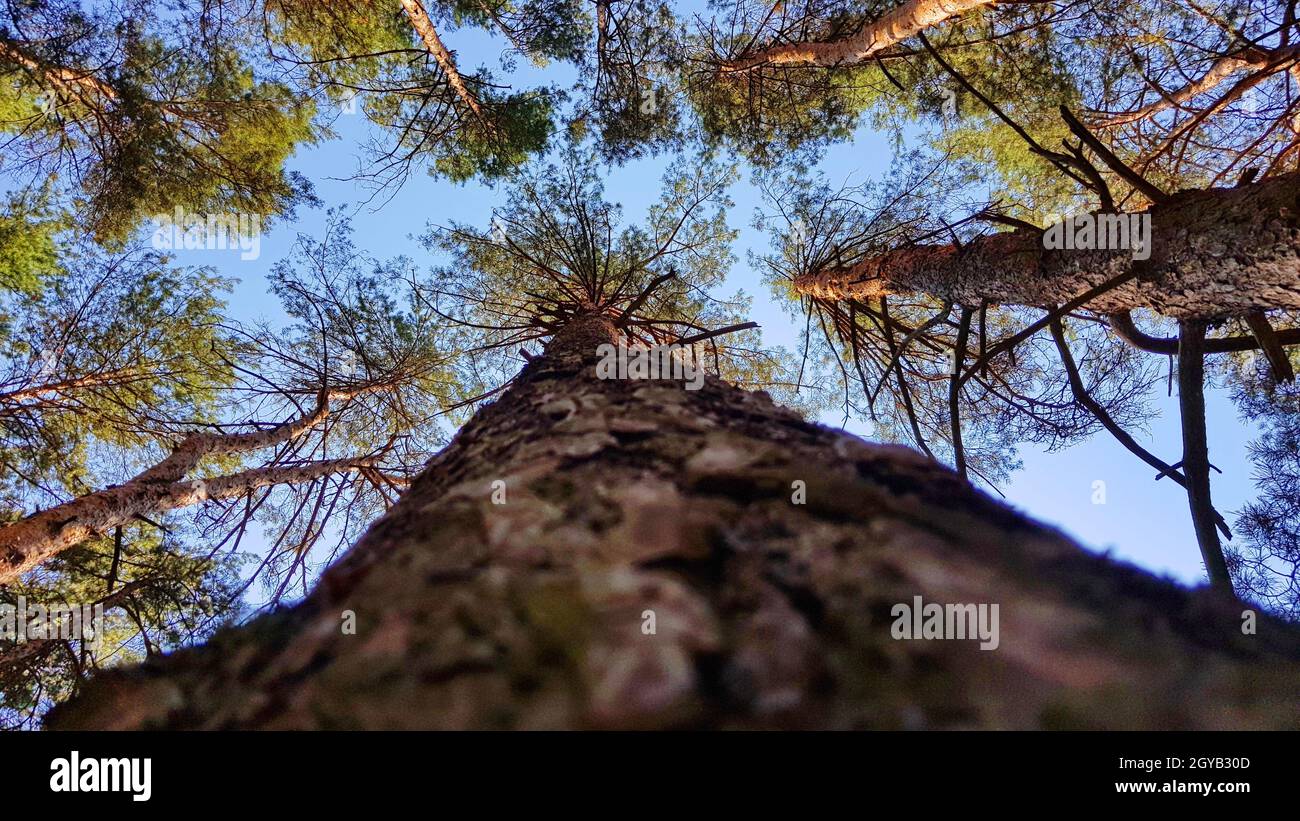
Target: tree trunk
<point x="891" y="29"/>
<point x="423" y="26"/>
<point x="1219" y="252"/>
<point x="1196" y="454"/>
<point x="671" y="558"/>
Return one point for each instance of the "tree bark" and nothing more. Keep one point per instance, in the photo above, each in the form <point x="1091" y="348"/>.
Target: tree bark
<point x="892" y="28"/>
<point x="770" y="553"/>
<point x="1218" y="252"/>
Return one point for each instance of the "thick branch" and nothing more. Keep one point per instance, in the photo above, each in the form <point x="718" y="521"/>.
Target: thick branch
<point x="1218" y="252"/>
<point x="630" y="312"/>
<point x="1271" y="344"/>
<point x="34" y="539"/>
<point x="194" y="447"/>
<point x="1123" y="327"/>
<point x="706" y="335"/>
<point x="954" y="392"/>
<point x="1219" y="70"/>
<point x="1114" y="163"/>
<point x="69" y="81"/>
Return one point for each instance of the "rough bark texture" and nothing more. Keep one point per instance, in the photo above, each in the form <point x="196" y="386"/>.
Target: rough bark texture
<point x="892" y="28"/>
<point x="630" y="496"/>
<point x="1219" y="252"/>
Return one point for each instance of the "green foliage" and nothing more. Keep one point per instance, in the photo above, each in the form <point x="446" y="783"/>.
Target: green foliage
<point x="111" y="352"/>
<point x="769" y="118"/>
<point x="141" y="122"/>
<point x="632" y="82"/>
<point x="357" y="321"/>
<point x="1263" y="557"/>
<point x="520" y="127"/>
<point x="235" y="167"/>
<point x="558" y="246"/>
<point x="168" y="595"/>
<point x="1027" y="76"/>
<point x="540" y="29"/>
<point x="28" y="245"/>
<point x="353" y="46"/>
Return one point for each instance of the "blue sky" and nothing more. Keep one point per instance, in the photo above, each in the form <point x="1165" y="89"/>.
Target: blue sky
<point x="1142" y="521"/>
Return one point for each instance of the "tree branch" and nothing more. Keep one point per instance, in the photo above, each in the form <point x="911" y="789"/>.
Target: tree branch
<point x="1108" y="422"/>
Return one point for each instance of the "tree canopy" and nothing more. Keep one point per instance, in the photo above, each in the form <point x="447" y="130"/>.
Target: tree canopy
<point x="185" y="462"/>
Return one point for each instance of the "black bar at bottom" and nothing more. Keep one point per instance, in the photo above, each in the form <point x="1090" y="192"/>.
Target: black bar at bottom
<point x="552" y="771"/>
